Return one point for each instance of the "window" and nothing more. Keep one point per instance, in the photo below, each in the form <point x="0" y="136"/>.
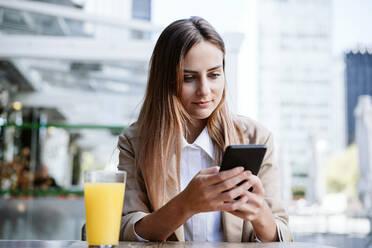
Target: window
<point x="141" y="9"/>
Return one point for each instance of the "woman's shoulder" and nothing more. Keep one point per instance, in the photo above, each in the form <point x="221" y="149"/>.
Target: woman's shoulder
<point x="248" y="124"/>
<point x="129" y="135"/>
<point x="252" y="129"/>
<point x="130" y="131"/>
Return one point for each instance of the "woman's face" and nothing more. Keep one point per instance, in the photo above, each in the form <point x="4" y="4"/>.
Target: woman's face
<point x="204" y="80"/>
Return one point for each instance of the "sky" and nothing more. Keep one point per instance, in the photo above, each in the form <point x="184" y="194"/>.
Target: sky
<point x="351" y="19"/>
<point x="352" y="24"/>
<point x="214" y="11"/>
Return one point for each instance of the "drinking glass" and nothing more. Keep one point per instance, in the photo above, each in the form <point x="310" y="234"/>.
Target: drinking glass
<point x="104" y="198"/>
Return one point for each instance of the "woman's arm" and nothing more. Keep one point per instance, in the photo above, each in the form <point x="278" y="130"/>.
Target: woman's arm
<point x="208" y="191"/>
<point x="160" y="224"/>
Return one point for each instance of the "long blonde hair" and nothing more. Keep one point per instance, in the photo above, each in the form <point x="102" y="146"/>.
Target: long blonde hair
<point x="163" y="120"/>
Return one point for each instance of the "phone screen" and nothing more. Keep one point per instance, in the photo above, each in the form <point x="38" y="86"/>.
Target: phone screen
<point x="248" y="156"/>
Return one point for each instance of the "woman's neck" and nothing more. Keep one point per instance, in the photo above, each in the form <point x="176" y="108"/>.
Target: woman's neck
<point x="194" y="130"/>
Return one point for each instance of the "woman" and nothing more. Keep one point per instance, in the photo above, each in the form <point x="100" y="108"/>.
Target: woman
<point x="171" y="154"/>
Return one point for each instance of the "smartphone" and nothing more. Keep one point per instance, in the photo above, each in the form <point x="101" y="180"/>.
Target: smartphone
<point x="248" y="156"/>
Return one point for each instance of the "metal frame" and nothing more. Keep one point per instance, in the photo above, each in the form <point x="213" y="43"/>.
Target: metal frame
<point x="68" y="12"/>
<point x="76" y="49"/>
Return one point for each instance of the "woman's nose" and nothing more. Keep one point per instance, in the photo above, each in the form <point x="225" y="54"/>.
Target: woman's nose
<point x="203" y="87"/>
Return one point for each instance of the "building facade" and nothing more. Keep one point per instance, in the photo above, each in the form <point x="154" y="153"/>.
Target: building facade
<point x="358" y="79"/>
<point x="296" y="95"/>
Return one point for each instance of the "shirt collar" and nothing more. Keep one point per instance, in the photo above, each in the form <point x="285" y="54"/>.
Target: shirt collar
<point x="203" y="141"/>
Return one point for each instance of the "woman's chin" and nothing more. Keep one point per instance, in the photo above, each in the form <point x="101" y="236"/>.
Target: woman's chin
<point x="201" y="116"/>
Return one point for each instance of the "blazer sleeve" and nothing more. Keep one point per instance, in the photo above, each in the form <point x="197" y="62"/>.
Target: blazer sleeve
<point x="136" y="204"/>
<point x="269" y="176"/>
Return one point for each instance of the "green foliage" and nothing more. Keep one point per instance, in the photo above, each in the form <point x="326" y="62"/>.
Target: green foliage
<point x="298" y="191"/>
<point x="42" y="193"/>
<point x="342" y="172"/>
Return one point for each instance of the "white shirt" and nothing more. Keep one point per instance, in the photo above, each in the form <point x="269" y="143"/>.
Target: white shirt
<point x="195" y="157"/>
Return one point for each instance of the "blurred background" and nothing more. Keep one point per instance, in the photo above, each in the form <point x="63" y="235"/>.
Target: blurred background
<point x="73" y="75"/>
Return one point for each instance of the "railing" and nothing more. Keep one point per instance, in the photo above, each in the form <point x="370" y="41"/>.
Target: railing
<point x="61" y="125"/>
<point x="72" y="13"/>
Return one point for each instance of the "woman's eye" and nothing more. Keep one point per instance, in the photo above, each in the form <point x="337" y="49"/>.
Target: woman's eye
<point x="188" y="78"/>
<point x="214" y="75"/>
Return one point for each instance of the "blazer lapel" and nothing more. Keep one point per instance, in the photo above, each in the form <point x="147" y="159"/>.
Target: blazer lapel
<point x="172" y="189"/>
<point x="232" y="227"/>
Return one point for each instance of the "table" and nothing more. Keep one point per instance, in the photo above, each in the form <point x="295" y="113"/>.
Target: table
<point x="83" y="244"/>
<point x="45" y="218"/>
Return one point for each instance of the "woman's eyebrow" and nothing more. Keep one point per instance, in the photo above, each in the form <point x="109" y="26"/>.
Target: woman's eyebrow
<point x="211" y="69"/>
<point x="189" y="71"/>
<point x="214" y="68"/>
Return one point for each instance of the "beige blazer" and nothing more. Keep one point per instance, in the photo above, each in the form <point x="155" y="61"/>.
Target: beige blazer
<point x="136" y="203"/>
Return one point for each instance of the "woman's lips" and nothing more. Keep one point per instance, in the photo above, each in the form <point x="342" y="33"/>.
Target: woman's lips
<point x="202" y="104"/>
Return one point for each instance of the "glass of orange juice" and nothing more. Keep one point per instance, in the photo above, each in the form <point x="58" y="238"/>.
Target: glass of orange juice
<point x="104" y="198"/>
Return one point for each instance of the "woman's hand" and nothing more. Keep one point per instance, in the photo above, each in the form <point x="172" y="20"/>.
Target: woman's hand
<point x="211" y="190"/>
<point x="254" y="202"/>
<point x="256" y="210"/>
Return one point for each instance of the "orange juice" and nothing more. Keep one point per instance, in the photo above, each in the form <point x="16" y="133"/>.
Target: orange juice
<point x="103" y="208"/>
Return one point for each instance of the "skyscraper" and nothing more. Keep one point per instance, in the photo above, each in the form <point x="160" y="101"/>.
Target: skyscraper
<point x="358" y="79"/>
